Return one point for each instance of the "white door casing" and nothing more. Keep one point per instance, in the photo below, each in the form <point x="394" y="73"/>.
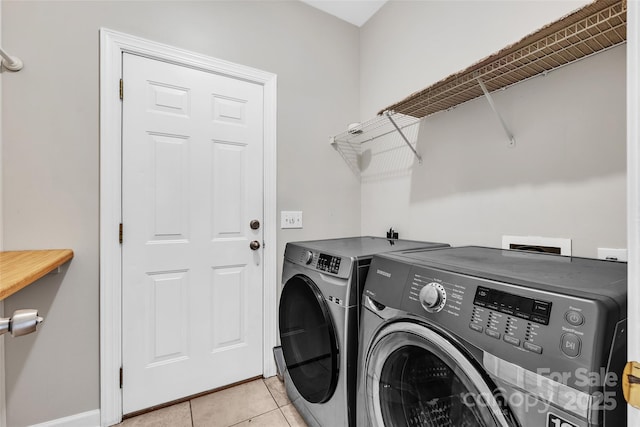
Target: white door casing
<point x="3" y="401"/>
<point x="113" y="46"/>
<point x="191" y="185"/>
<point x="633" y="190"/>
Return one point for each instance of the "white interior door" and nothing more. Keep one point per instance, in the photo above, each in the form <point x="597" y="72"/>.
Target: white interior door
<point x="192" y="181"/>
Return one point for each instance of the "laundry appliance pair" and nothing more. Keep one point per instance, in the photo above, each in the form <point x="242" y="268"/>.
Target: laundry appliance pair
<point x="318" y="317"/>
<point x="483" y="337"/>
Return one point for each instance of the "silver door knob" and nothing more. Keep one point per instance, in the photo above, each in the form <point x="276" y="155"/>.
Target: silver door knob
<point x="254" y="245"/>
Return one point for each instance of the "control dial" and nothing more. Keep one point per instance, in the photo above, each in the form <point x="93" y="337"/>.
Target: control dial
<point x="433" y="297"/>
<point x="308" y="257"/>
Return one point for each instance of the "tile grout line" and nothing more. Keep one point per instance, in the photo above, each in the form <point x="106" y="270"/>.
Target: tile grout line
<point x="256" y="416"/>
<point x="285" y="417"/>
<point x="263" y="413"/>
<point x="277" y="404"/>
<point x="270" y="392"/>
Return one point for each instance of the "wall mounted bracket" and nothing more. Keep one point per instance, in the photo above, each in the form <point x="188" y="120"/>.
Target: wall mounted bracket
<point x="512" y="139"/>
<point x="9" y="62"/>
<point x="393" y="122"/>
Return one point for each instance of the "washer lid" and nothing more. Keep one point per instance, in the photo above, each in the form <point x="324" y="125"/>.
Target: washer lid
<point x="583" y="277"/>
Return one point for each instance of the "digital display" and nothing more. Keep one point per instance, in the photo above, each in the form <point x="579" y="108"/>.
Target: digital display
<point x="526" y="308"/>
<point x="328" y="263"/>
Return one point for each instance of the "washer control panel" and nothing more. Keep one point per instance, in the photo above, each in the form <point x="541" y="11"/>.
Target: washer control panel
<point x="515" y="319"/>
<point x="553" y="316"/>
<point x="537" y="311"/>
<point x="521" y="325"/>
<point x="433" y="297"/>
<point x="516" y="323"/>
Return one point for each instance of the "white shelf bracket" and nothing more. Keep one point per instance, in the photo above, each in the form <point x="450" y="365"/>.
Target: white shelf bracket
<point x="415" y="153"/>
<point x="512" y="139"/>
<point x="9" y="62"/>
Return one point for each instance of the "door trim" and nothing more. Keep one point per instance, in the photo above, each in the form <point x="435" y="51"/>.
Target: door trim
<point x="633" y="186"/>
<point x="112" y="46"/>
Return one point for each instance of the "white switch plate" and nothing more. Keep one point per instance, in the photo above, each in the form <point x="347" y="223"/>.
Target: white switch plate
<point x="290" y="219"/>
<point x="612" y="254"/>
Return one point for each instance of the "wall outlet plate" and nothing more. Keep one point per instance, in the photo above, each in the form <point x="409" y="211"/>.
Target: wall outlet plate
<point x="290" y="219"/>
<point x="612" y="254"/>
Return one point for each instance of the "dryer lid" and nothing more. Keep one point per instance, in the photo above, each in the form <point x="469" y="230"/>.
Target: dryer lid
<point x="363" y="246"/>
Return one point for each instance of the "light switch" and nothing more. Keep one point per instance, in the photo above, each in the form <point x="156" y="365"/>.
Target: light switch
<point x="290" y="219"/>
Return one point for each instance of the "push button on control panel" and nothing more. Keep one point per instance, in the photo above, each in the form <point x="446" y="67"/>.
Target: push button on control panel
<point x="574" y="318"/>
<point x="512" y="340"/>
<point x="542" y="308"/>
<point x="533" y="347"/>
<point x="570" y="344"/>
<point x="492" y="333"/>
<point x="476" y="327"/>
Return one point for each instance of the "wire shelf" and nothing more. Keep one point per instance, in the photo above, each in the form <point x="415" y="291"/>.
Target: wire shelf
<point x="597" y="26"/>
<point x="349" y="143"/>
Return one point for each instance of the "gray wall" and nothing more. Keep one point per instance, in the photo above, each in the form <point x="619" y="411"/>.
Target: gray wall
<point x="50" y="151"/>
<point x="564" y="178"/>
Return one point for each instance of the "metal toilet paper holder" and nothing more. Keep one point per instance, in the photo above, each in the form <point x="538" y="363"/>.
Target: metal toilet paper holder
<point x="22" y="322"/>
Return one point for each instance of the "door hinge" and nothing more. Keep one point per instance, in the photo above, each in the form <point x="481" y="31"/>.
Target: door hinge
<point x="120" y="376"/>
<point x="121" y="89"/>
<point x="120" y="234"/>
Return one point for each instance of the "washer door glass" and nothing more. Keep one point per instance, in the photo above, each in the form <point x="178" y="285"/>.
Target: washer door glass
<point x="308" y="339"/>
<point x="415" y="377"/>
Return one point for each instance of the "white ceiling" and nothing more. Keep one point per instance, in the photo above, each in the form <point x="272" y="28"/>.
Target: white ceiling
<point x="356" y="12"/>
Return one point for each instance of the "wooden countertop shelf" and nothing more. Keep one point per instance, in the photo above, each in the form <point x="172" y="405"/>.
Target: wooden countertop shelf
<point x="21" y="268"/>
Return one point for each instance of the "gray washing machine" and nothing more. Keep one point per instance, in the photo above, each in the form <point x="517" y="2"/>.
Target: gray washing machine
<point x="481" y="337"/>
<point x="318" y="318"/>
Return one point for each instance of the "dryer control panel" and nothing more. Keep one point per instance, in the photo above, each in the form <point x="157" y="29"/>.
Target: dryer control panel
<point x="319" y="261"/>
<point x="328" y="263"/>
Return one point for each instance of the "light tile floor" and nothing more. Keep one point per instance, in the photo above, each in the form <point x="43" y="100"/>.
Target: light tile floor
<point x="259" y="403"/>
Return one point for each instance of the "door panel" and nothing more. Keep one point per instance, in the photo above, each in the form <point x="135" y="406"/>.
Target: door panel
<point x="168" y="316"/>
<point x="229" y="160"/>
<point x="228" y="307"/>
<point x="192" y="182"/>
<point x="170" y="165"/>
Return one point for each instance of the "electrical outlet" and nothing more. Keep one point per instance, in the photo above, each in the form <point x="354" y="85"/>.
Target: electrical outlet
<point x="290" y="219"/>
<point x="612" y="254"/>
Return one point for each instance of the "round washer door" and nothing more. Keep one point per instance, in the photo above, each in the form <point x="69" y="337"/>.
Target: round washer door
<point x="416" y="377"/>
<point x="308" y="339"/>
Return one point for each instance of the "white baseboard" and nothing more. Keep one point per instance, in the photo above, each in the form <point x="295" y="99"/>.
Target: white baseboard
<point x="85" y="419"/>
